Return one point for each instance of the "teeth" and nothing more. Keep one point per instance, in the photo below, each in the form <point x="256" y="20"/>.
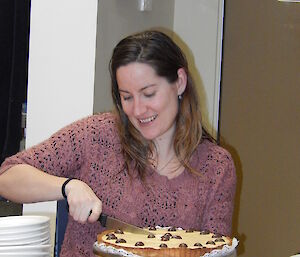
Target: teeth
<point x="148" y="119"/>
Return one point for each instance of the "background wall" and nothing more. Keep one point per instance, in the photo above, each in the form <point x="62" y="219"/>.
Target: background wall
<point x="260" y="122"/>
<point x="61" y="73"/>
<point x="200" y="25"/>
<point x="117" y="19"/>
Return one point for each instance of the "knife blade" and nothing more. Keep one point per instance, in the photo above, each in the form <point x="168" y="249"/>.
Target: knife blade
<point x="113" y="223"/>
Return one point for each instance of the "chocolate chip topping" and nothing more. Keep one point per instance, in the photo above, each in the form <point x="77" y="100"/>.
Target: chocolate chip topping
<point x="163" y="246"/>
<point x="204" y="232"/>
<point x="210" y="243"/>
<point x="139" y="244"/>
<point x="197" y="244"/>
<point x="151" y="236"/>
<point x="111" y="236"/>
<point x="217" y="235"/>
<point x="177" y="237"/>
<point x="165" y="238"/>
<point x="120" y="240"/>
<point x="190" y="230"/>
<point x="183" y="245"/>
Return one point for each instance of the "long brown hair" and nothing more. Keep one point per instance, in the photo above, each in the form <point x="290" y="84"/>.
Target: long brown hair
<point x="160" y="52"/>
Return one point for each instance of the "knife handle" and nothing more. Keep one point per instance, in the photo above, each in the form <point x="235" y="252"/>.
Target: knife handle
<point x="102" y="219"/>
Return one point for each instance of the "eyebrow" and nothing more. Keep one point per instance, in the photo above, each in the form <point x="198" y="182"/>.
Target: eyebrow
<point x="143" y="88"/>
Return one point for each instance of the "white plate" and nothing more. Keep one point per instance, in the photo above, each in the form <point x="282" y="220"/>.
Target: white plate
<point x="33" y="240"/>
<point x="22" y="221"/>
<point x="23" y="233"/>
<point x="22" y="236"/>
<point x="29" y="254"/>
<point x="22" y="224"/>
<point x="26" y="249"/>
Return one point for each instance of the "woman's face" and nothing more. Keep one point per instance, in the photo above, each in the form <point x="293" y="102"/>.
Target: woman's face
<point x="149" y="101"/>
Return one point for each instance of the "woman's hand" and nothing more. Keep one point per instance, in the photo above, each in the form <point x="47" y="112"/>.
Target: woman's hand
<point x="84" y="205"/>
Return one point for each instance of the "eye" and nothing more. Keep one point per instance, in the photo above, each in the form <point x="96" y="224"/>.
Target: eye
<point x="150" y="95"/>
<point x="126" y="98"/>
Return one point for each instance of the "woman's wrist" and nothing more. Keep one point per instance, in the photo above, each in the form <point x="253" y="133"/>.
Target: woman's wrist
<point x="63" y="187"/>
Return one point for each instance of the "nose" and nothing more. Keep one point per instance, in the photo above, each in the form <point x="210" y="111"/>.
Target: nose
<point x="138" y="107"/>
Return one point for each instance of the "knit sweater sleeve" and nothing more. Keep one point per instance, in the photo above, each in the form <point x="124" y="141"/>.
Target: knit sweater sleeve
<point x="220" y="199"/>
<point x="61" y="155"/>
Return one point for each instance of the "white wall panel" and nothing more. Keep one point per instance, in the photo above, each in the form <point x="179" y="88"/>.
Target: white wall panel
<point x="199" y="23"/>
<point x="61" y="72"/>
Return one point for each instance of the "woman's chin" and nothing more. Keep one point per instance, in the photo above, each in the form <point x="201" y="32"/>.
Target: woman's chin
<point x="148" y="136"/>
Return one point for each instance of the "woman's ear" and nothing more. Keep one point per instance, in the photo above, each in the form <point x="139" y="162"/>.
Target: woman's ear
<point x="181" y="81"/>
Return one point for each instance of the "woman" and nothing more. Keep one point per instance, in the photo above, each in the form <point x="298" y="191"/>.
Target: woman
<point x="148" y="163"/>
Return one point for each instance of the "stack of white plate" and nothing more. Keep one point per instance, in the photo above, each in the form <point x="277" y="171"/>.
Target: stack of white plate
<point x="25" y="236"/>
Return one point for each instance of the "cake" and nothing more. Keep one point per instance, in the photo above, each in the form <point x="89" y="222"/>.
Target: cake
<point x="166" y="242"/>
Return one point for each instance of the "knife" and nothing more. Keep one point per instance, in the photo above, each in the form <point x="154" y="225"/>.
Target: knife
<point x="113" y="223"/>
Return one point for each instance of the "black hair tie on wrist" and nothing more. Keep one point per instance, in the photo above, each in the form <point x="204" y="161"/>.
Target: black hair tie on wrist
<point x="63" y="187"/>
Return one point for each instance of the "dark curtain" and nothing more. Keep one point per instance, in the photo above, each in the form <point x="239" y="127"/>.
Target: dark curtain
<point x="14" y="42"/>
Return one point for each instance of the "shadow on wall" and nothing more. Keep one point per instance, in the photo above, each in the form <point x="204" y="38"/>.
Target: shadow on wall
<point x="197" y="79"/>
<point x="8" y="208"/>
<point x="239" y="174"/>
<point x="194" y="73"/>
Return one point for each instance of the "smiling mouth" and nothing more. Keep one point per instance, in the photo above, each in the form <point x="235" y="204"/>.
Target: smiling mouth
<point x="152" y="118"/>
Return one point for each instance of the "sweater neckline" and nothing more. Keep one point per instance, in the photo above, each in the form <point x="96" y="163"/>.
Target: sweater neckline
<point x="164" y="177"/>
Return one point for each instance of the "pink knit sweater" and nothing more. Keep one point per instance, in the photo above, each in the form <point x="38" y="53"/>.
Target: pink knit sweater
<point x="90" y="150"/>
